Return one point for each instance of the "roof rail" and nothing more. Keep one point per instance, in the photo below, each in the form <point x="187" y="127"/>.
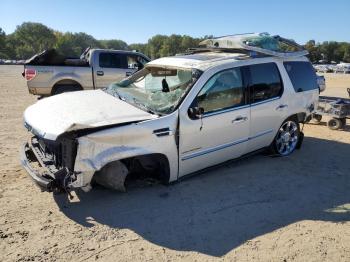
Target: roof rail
<point x="244" y="52"/>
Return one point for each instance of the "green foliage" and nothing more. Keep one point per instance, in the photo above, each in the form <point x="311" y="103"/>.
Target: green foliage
<point x="114" y="44"/>
<point x="328" y="51"/>
<point x="3" y="49"/>
<point x="72" y="45"/>
<point x="31" y="38"/>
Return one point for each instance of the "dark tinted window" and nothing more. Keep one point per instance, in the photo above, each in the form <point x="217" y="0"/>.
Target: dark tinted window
<point x="224" y="90"/>
<point x="110" y="60"/>
<point x="265" y="82"/>
<point x="136" y="62"/>
<point x="302" y="75"/>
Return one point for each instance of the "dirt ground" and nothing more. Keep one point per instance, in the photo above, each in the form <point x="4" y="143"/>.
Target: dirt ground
<point x="260" y="208"/>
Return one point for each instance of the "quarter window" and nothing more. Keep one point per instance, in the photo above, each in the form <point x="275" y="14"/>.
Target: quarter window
<point x="265" y="82"/>
<point x="224" y="90"/>
<point x="302" y="75"/>
<point x="113" y="60"/>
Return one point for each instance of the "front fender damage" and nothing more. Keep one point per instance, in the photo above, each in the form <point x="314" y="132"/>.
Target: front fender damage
<point x="99" y="160"/>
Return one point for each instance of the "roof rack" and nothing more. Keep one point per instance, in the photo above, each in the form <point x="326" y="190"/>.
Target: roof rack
<point x="252" y="44"/>
<point x="244" y="52"/>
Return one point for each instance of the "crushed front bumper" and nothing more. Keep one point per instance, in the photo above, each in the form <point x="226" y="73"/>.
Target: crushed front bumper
<point x="45" y="178"/>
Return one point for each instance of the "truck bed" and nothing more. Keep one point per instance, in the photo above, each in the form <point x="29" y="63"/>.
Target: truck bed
<point x="53" y="58"/>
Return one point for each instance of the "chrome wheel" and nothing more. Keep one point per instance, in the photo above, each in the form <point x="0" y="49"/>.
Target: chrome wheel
<point x="287" y="138"/>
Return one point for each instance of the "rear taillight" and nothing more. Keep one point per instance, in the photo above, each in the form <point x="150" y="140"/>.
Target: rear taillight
<point x="29" y="74"/>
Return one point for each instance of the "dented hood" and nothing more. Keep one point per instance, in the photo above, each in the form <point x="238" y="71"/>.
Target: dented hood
<point x="50" y="117"/>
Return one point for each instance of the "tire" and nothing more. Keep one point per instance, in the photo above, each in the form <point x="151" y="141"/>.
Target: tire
<point x="335" y="124"/>
<point x="65" y="88"/>
<point x="287" y="138"/>
<point x="343" y="121"/>
<point x="317" y="118"/>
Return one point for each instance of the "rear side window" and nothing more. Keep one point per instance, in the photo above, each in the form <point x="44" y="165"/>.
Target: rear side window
<point x="265" y="82"/>
<point x="302" y="75"/>
<point x="113" y="60"/>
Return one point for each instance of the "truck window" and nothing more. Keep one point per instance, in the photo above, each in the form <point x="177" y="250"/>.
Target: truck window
<point x="224" y="90"/>
<point x="302" y="75"/>
<point x="136" y="62"/>
<point x="265" y="82"/>
<point x="113" y="60"/>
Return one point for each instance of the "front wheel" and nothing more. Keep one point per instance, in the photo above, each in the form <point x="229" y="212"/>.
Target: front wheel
<point x="287" y="138"/>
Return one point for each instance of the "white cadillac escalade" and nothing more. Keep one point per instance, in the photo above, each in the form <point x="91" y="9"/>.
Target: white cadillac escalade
<point x="177" y="116"/>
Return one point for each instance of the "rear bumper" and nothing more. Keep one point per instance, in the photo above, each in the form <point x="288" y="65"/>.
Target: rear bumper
<point x="27" y="157"/>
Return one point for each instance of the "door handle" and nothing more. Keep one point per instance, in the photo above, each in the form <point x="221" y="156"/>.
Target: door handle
<point x="128" y="73"/>
<point x="100" y="73"/>
<point x="281" y="107"/>
<point x="239" y="119"/>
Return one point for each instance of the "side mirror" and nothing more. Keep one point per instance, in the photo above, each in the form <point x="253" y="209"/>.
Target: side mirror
<point x="195" y="112"/>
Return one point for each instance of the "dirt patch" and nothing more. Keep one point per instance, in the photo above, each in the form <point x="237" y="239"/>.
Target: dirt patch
<point x="295" y="208"/>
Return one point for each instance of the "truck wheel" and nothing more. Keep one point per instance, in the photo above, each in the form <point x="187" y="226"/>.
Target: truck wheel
<point x="335" y="123"/>
<point x="63" y="89"/>
<point x="287" y="138"/>
<point x="317" y="118"/>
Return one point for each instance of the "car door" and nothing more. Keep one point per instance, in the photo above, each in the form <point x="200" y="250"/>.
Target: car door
<point x="268" y="105"/>
<point x="111" y="67"/>
<point x="221" y="133"/>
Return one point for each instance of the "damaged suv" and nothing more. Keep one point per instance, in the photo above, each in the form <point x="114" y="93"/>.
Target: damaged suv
<point x="176" y="116"/>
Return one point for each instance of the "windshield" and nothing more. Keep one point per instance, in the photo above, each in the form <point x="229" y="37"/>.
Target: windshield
<point x="156" y="89"/>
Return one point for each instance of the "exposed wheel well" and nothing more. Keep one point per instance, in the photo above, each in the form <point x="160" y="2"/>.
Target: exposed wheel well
<point x="151" y="165"/>
<point x="66" y="85"/>
<point x="154" y="166"/>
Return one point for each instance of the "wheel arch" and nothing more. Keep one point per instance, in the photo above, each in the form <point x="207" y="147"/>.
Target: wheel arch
<point x="158" y="161"/>
<point x="66" y="83"/>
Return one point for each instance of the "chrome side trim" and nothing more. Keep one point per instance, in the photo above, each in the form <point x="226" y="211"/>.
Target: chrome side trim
<point x="265" y="101"/>
<point x="261" y="134"/>
<point x="225" y="111"/>
<point x="213" y="149"/>
<point x="240" y="107"/>
<point x="220" y="147"/>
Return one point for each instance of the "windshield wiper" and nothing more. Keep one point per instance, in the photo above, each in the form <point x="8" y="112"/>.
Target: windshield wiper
<point x="116" y="93"/>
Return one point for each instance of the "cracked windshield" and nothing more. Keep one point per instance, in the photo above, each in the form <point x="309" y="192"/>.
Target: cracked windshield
<point x="155" y="89"/>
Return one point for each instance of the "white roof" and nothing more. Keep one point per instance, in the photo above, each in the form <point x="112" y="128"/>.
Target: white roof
<point x="200" y="61"/>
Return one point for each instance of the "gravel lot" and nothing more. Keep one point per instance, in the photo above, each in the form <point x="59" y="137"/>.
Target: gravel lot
<point x="260" y="208"/>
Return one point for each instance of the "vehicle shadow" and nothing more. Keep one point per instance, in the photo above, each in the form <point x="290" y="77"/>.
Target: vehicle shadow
<point x="219" y="210"/>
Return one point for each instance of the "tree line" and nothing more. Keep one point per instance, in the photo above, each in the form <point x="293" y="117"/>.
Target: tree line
<point x="30" y="38"/>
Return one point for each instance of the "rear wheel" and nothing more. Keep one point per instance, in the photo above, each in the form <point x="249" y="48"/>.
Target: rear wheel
<point x="65" y="88"/>
<point x="317" y="118"/>
<point x="335" y="123"/>
<point x="287" y="138"/>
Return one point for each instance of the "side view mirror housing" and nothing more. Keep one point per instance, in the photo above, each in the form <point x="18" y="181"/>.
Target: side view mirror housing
<point x="195" y="112"/>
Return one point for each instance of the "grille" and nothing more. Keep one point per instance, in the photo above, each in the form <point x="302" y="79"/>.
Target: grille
<point x="51" y="151"/>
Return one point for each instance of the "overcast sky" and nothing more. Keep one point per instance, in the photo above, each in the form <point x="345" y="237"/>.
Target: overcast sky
<point x="136" y="21"/>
